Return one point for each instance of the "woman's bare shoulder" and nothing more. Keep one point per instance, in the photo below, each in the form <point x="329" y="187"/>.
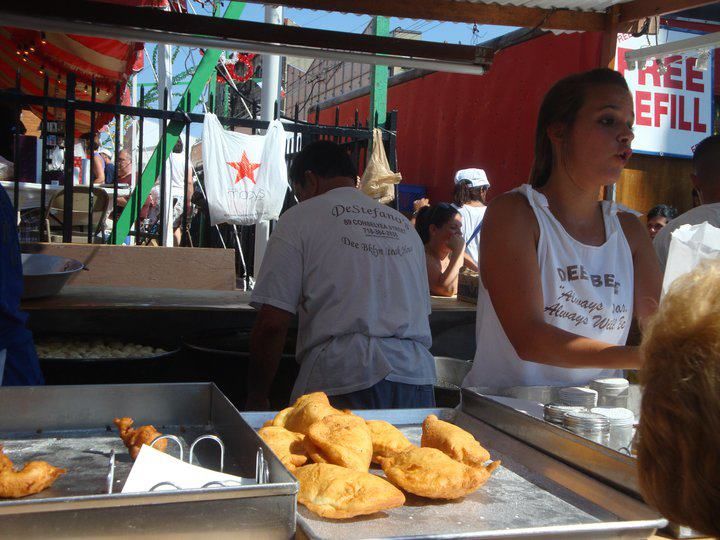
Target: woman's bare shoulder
<point x="512" y="209"/>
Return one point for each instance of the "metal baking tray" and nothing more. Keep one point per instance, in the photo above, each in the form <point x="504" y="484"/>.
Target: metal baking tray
<point x="531" y="496"/>
<point x="69" y="426"/>
<point x="601" y="461"/>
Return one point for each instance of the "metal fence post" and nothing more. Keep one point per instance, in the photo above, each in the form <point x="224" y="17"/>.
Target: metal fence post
<point x="69" y="157"/>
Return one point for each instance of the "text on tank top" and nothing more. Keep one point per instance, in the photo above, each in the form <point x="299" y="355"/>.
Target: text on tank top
<point x="587" y="290"/>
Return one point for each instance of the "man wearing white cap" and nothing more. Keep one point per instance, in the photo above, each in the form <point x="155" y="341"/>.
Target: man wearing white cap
<point x="469" y="198"/>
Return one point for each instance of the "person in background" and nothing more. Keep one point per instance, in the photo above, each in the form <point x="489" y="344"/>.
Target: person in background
<point x="176" y="176"/>
<point x="706" y="179"/>
<point x="658" y="217"/>
<point x="353" y="271"/>
<point x="97" y="170"/>
<point x="124" y="163"/>
<point x="109" y="170"/>
<point x="561" y="273"/>
<point x="17" y="350"/>
<point x="124" y="176"/>
<point x="418" y="204"/>
<point x="679" y="432"/>
<point x="470" y="198"/>
<point x="440" y="229"/>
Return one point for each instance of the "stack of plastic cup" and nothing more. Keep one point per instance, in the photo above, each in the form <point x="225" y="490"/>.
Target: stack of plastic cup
<point x="579" y="396"/>
<point x="611" y="392"/>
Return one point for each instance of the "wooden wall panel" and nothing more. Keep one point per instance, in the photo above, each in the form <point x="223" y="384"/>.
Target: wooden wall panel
<point x="146" y="267"/>
<point x="651" y="180"/>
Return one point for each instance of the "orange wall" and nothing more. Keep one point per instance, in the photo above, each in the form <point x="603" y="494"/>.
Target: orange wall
<point x="448" y="122"/>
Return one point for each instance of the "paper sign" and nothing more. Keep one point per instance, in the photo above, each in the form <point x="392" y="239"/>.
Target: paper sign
<point x="673" y="110"/>
<point x="153" y="467"/>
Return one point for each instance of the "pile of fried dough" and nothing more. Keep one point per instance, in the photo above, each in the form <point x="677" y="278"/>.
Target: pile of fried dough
<point x="449" y="464"/>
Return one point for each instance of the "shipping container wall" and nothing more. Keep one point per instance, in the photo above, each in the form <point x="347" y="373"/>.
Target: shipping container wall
<point x="448" y="121"/>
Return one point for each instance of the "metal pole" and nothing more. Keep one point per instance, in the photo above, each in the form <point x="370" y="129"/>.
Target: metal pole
<point x="69" y="157"/>
<point x="165" y="76"/>
<point x="269" y="99"/>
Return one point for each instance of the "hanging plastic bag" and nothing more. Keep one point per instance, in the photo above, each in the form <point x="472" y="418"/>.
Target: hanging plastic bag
<point x="689" y="246"/>
<point x="378" y="180"/>
<point x="245" y="175"/>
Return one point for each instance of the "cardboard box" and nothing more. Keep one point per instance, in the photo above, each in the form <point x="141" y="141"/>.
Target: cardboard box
<point x="468" y="283"/>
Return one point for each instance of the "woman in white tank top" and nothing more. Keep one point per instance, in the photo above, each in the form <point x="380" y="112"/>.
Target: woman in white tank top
<point x="562" y="274"/>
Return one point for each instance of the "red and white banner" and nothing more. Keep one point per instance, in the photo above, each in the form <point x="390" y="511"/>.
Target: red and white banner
<point x="673" y="110"/>
<point x="245" y="175"/>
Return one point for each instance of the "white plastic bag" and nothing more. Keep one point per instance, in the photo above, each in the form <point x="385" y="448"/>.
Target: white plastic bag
<point x="689" y="246"/>
<point x="245" y="175"/>
<point x="378" y="181"/>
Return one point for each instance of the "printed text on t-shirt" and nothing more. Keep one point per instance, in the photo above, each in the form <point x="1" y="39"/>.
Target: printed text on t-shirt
<point x="577" y="271"/>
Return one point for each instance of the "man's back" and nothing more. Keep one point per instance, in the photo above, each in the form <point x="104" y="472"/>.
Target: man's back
<point x="701" y="214"/>
<point x="354" y="272"/>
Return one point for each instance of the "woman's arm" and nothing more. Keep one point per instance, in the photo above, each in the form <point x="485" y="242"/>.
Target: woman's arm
<point x="469" y="263"/>
<point x="445" y="283"/>
<point x="98" y="169"/>
<point x="509" y="270"/>
<point x="646" y="268"/>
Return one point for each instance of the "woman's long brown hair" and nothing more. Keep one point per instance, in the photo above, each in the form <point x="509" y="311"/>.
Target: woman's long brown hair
<point x="560" y="106"/>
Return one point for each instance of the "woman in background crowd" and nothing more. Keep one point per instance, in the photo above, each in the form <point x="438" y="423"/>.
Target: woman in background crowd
<point x="440" y="229"/>
<point x="470" y="198"/>
<point x="679" y="433"/>
<point x="658" y="217"/>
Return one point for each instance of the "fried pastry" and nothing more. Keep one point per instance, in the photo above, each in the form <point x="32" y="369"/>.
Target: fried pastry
<point x="341" y="439"/>
<point x="339" y="493"/>
<point x="307" y="413"/>
<point x="387" y="440"/>
<point x="453" y="441"/>
<point x="34" y="477"/>
<point x="430" y="473"/>
<point x="281" y="417"/>
<point x="286" y="445"/>
<point x="314" y="396"/>
<point x="134" y="438"/>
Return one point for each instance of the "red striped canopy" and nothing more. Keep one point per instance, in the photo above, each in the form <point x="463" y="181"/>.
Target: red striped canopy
<point x="37" y="54"/>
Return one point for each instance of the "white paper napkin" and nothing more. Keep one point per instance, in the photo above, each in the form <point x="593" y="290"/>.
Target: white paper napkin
<point x="152" y="467"/>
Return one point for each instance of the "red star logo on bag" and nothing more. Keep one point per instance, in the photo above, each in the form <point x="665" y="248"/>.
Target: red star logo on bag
<point x="244" y="168"/>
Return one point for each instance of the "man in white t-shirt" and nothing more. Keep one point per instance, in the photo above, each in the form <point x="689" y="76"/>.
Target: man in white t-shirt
<point x="470" y="198"/>
<point x="354" y="272"/>
<point x="706" y="179"/>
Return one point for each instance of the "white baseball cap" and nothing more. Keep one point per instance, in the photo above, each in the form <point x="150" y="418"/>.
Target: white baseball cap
<point x="106" y="152"/>
<point x="476" y="177"/>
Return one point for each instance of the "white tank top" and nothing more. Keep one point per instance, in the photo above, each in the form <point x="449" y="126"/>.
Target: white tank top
<point x="587" y="290"/>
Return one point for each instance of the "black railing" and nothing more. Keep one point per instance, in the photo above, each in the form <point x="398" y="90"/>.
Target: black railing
<point x="354" y="137"/>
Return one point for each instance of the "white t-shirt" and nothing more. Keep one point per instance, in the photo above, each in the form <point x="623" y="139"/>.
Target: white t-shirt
<point x="472" y="217"/>
<point x="701" y="214"/>
<point x="354" y="271"/>
<point x="587" y="290"/>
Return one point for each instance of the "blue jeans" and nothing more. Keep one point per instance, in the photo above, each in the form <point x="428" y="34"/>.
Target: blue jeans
<point x="387" y="395"/>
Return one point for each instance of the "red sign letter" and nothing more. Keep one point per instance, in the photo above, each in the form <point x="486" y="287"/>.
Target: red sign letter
<point x="673" y="70"/>
<point x="642" y="108"/>
<point x="661" y="100"/>
<point x="692" y="76"/>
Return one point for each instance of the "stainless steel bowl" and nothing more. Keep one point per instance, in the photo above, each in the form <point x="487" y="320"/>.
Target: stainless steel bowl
<point x="46" y="275"/>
